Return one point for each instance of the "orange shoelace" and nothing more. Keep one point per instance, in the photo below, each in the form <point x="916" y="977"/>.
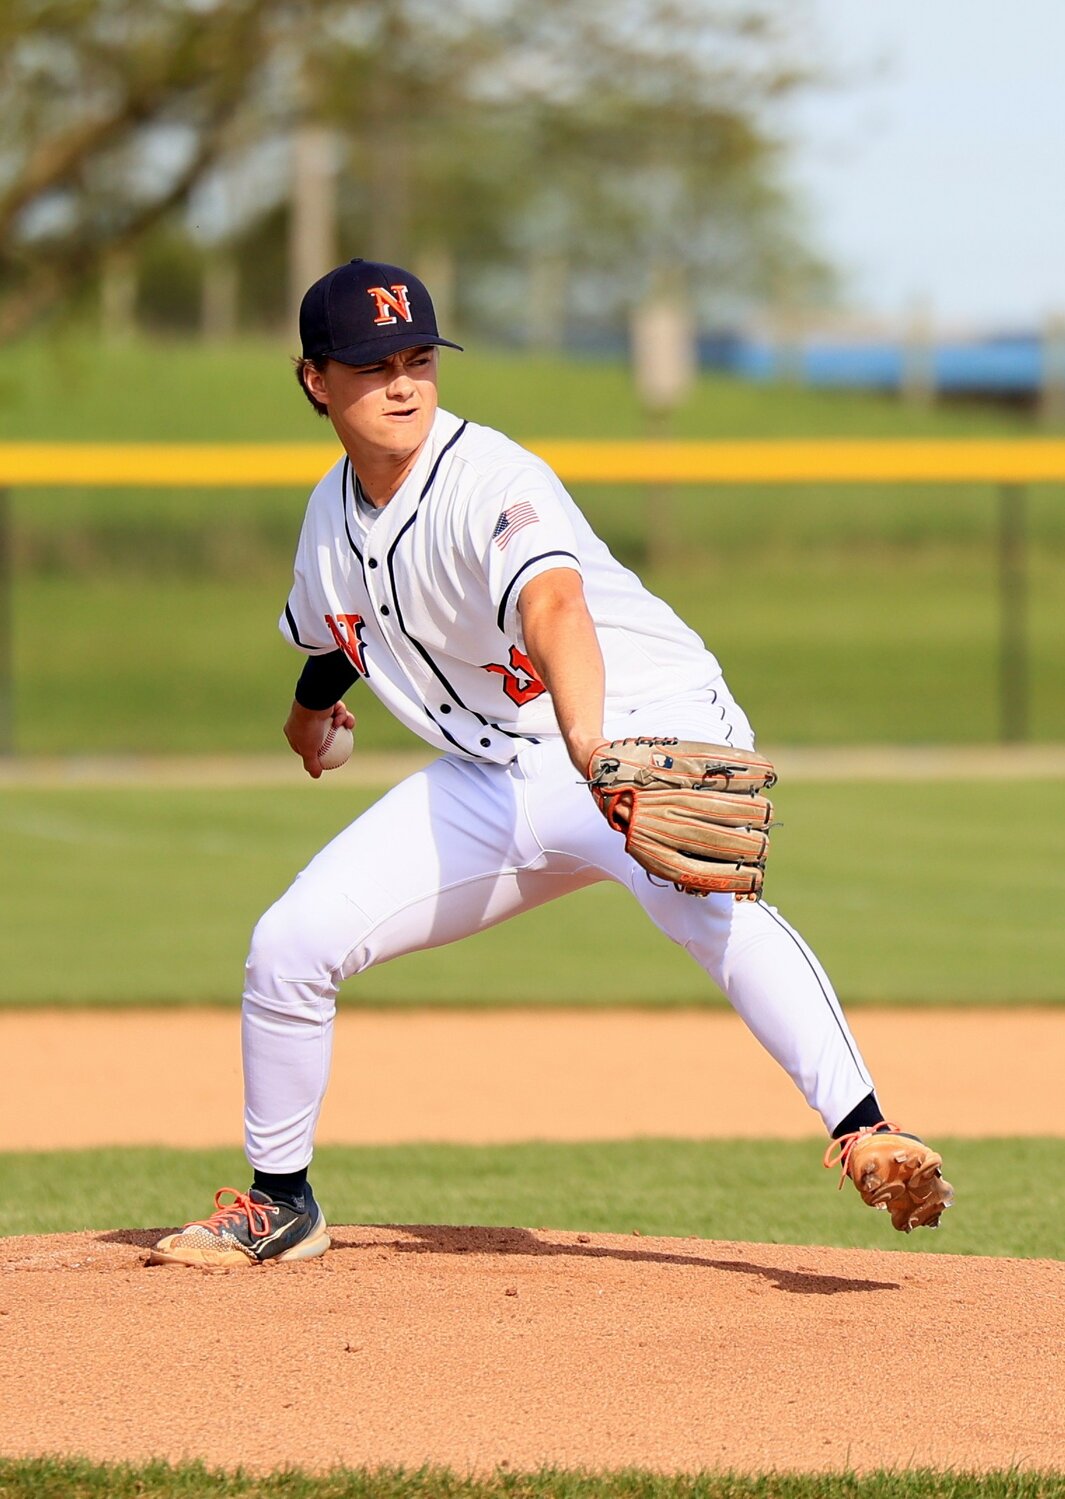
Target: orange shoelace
<point x="229" y="1214"/>
<point x="839" y="1151"/>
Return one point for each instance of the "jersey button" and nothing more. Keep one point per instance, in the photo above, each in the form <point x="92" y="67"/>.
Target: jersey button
<point x="385" y="609"/>
<point x="371" y="562"/>
<point x="445" y="707"/>
<point x="485" y="743"/>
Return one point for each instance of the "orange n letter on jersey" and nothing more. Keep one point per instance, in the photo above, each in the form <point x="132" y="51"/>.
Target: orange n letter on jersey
<point x="346" y="630"/>
<point x="391" y="303"/>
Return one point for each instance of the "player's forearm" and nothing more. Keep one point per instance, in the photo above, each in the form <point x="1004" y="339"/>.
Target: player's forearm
<point x="564" y="649"/>
<point x="317" y="704"/>
<point x="324" y="680"/>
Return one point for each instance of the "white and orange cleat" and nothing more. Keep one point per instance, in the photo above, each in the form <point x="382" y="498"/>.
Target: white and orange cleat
<point x="247" y="1231"/>
<point x="895" y="1172"/>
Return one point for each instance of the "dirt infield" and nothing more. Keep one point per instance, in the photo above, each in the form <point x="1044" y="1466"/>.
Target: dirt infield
<point x="479" y="1347"/>
<point x="90" y="1078"/>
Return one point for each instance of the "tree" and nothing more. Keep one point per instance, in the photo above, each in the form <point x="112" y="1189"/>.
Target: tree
<point x="113" y="111"/>
<point x="661" y="151"/>
<point x="613" y="140"/>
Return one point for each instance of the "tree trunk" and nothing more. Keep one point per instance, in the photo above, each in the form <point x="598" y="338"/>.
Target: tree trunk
<point x="219" y="307"/>
<point x="436" y="267"/>
<point x="1052" y="393"/>
<point x="918" y="358"/>
<point x="545" y="327"/>
<point x="312" y="231"/>
<point x="118" y="296"/>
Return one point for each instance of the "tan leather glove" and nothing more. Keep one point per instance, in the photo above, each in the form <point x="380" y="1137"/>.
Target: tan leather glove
<point x="691" y="813"/>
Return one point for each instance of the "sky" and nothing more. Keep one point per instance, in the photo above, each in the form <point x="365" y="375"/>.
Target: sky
<point x="935" y="169"/>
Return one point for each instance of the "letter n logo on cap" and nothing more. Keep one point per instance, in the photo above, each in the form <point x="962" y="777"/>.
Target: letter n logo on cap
<point x="391" y="303"/>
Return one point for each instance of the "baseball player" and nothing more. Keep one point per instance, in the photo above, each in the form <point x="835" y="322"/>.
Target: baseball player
<point x="448" y="570"/>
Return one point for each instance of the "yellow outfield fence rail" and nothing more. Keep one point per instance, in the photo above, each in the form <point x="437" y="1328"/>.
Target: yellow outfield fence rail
<point x="767" y="461"/>
<point x="1008" y="464"/>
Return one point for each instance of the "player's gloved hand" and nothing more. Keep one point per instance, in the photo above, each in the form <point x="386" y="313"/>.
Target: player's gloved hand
<point x="691" y="813"/>
<point x="305" y="728"/>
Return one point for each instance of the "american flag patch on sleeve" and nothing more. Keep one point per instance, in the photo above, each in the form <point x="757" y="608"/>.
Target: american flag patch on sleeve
<point x="512" y="521"/>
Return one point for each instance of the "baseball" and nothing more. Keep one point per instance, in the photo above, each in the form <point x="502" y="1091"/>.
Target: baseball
<point x="335" y="748"/>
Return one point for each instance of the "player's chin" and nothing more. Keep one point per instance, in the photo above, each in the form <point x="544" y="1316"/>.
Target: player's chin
<point x="403" y="432"/>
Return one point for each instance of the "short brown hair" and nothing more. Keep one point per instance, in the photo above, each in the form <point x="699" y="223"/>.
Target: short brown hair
<point x="300" y="363"/>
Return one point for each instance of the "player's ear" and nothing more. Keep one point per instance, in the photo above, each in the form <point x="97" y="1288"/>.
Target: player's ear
<point x="313" y="381"/>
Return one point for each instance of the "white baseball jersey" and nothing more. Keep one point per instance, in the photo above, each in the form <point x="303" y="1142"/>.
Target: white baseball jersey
<point x="422" y="595"/>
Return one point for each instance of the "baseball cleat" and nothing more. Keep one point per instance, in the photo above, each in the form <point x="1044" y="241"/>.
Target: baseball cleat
<point x="895" y="1172"/>
<point x="250" y="1229"/>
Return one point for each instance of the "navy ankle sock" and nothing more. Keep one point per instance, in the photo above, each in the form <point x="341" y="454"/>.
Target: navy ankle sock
<point x="290" y="1187"/>
<point x="863" y="1116"/>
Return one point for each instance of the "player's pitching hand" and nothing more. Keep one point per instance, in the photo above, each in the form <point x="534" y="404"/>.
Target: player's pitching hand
<point x="305" y="729"/>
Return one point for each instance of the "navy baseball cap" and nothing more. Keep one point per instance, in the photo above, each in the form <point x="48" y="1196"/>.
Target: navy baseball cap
<point x="365" y="311"/>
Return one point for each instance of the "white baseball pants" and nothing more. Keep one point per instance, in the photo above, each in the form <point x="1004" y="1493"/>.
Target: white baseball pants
<point x="461" y="846"/>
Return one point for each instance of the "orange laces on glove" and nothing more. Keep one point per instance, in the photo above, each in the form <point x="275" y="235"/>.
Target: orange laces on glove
<point x="839" y="1151"/>
<point x="229" y="1214"/>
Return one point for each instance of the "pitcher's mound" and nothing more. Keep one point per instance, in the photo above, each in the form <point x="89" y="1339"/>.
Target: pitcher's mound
<point x="475" y="1347"/>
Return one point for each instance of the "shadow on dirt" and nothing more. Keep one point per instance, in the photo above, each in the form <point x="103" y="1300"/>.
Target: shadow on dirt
<point x="427" y="1239"/>
<point x="140" y="1238"/>
<point x="432" y="1239"/>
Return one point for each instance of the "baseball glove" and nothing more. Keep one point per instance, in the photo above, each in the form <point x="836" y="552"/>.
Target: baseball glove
<point x="691" y="813"/>
<point x="896" y="1172"/>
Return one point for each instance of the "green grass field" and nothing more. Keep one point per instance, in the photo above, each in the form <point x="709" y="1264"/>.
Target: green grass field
<point x="145" y="621"/>
<point x="847" y="613"/>
<point x="74" y="1479"/>
<point x="124" y="896"/>
<point x="73" y="387"/>
<point x="1010" y="1194"/>
<point x="835" y="652"/>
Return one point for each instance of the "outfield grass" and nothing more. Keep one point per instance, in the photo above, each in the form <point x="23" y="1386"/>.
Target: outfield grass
<point x="142" y="895"/>
<point x="847" y="613"/>
<point x="146" y="623"/>
<point x="1010" y="1193"/>
<point x="62" y="1478"/>
<point x="76" y="388"/>
<point x="243" y="392"/>
<point x="839" y="651"/>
